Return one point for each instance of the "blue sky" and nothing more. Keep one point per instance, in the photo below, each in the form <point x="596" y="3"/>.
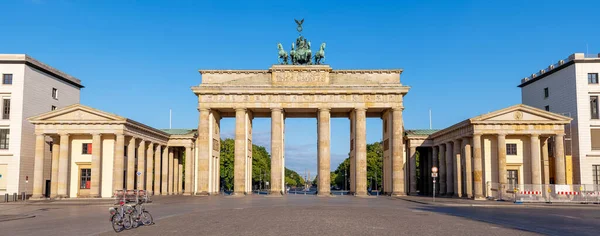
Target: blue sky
<point x="461" y="58"/>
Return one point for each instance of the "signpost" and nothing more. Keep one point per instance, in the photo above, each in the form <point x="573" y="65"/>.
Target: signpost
<point x="434" y="174"/>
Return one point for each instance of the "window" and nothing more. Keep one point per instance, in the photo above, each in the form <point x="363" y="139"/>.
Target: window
<point x="6" y="109"/>
<point x="594" y="107"/>
<point x="513" y="177"/>
<point x="86" y="148"/>
<point x="53" y="108"/>
<point x="596" y="174"/>
<point x="547" y="108"/>
<point x="592" y="78"/>
<point x="4" y="138"/>
<point x="511" y="149"/>
<point x="7" y="79"/>
<point x="595" y="133"/>
<point x="54" y="93"/>
<point x="546" y="93"/>
<point x="84" y="178"/>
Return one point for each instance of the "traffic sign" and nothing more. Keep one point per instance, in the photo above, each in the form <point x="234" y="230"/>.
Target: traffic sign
<point x="139" y="173"/>
<point x="434" y="169"/>
<point x="434" y="174"/>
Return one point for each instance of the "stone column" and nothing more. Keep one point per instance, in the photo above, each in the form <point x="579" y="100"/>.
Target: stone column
<point x="468" y="169"/>
<point x="157" y="169"/>
<point x="429" y="179"/>
<point x="536" y="162"/>
<point x="457" y="168"/>
<point x="176" y="174"/>
<point x="412" y="162"/>
<point x="97" y="166"/>
<point x="397" y="153"/>
<point x="171" y="169"/>
<point x="63" y="166"/>
<point x="180" y="179"/>
<point x="119" y="161"/>
<point x="188" y="171"/>
<point x="239" y="180"/>
<point x="204" y="151"/>
<point x="167" y="154"/>
<point x="442" y="169"/>
<point x="131" y="173"/>
<point x="38" y="167"/>
<point x="449" y="170"/>
<point x="55" y="158"/>
<point x="149" y="164"/>
<point x="545" y="161"/>
<point x="434" y="162"/>
<point x="477" y="168"/>
<point x="141" y="167"/>
<point x="276" y="151"/>
<point x="361" y="152"/>
<point x="324" y="152"/>
<point x="559" y="157"/>
<point x="502" y="161"/>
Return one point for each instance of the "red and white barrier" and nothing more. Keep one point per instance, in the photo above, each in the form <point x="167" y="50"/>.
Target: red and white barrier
<point x="531" y="192"/>
<point x="568" y="193"/>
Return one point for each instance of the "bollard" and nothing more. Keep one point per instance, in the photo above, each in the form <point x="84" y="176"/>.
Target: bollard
<point x="6" y="197"/>
<point x="23" y="196"/>
<point x="15" y="197"/>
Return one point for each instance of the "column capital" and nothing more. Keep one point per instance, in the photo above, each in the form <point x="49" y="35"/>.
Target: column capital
<point x="397" y="108"/>
<point x="240" y="109"/>
<point x="559" y="135"/>
<point x="534" y="135"/>
<point x="201" y="109"/>
<point x="501" y="134"/>
<point x="96" y="133"/>
<point x="64" y="134"/>
<point x="360" y="108"/>
<point x="40" y="134"/>
<point x="276" y="109"/>
<point x="324" y="109"/>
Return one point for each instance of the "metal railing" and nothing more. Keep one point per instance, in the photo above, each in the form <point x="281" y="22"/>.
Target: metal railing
<point x="575" y="193"/>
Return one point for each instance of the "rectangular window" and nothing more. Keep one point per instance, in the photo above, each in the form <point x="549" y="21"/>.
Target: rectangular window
<point x="595" y="133"/>
<point x="54" y="93"/>
<point x="84" y="181"/>
<point x="596" y="174"/>
<point x="86" y="148"/>
<point x="6" y="109"/>
<point x="546" y="93"/>
<point x="53" y="108"/>
<point x="592" y="78"/>
<point x="594" y="107"/>
<point x="511" y="149"/>
<point x="547" y="108"/>
<point x="513" y="177"/>
<point x="4" y="138"/>
<point x="7" y="78"/>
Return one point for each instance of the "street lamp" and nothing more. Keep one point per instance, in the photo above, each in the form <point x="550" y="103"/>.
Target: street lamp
<point x="434" y="174"/>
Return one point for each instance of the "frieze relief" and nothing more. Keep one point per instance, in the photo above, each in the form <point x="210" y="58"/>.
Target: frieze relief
<point x="287" y="98"/>
<point x="300" y="78"/>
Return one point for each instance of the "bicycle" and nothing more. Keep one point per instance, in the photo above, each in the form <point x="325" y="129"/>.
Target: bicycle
<point x="139" y="213"/>
<point x="120" y="217"/>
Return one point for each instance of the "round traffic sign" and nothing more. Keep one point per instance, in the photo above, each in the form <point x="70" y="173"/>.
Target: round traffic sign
<point x="139" y="173"/>
<point x="434" y="169"/>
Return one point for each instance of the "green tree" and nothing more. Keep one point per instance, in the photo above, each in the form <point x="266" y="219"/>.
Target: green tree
<point x="289" y="181"/>
<point x="227" y="158"/>
<point x="374" y="168"/>
<point x="261" y="166"/>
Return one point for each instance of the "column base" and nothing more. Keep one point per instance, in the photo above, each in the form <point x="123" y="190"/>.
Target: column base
<point x="61" y="196"/>
<point x="324" y="194"/>
<point x="479" y="198"/>
<point x="36" y="197"/>
<point x="275" y="193"/>
<point x="187" y="194"/>
<point x="202" y="194"/>
<point x="361" y="194"/>
<point x="398" y="194"/>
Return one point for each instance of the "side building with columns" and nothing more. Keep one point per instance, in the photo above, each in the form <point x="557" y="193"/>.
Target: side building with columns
<point x="85" y="152"/>
<point x="484" y="155"/>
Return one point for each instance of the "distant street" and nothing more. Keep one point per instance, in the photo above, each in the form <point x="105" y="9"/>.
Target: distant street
<point x="302" y="215"/>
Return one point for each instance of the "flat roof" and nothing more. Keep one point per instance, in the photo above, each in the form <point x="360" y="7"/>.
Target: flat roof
<point x="561" y="64"/>
<point x="30" y="61"/>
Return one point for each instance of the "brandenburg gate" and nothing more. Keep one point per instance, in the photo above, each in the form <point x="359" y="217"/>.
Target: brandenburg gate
<point x="300" y="88"/>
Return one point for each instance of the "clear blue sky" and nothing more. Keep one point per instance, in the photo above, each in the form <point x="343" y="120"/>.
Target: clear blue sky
<point x="461" y="58"/>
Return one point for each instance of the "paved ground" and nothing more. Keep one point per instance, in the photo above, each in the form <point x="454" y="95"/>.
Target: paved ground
<point x="303" y="215"/>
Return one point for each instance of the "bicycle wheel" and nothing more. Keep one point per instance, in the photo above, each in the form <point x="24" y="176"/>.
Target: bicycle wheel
<point x="147" y="218"/>
<point x="116" y="223"/>
<point x="127" y="222"/>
